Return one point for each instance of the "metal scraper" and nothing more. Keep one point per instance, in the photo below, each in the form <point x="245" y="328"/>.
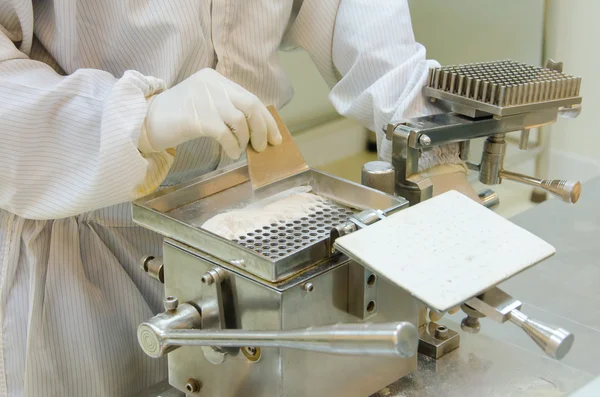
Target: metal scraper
<point x="275" y="162"/>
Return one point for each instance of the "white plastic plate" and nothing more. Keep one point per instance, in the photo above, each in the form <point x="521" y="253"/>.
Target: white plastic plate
<point x="445" y="250"/>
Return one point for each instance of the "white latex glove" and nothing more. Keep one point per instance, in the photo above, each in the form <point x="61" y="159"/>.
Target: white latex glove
<point x="207" y="104"/>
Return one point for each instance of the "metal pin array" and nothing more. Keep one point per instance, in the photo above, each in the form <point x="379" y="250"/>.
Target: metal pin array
<point x="504" y="83"/>
<point x="279" y="240"/>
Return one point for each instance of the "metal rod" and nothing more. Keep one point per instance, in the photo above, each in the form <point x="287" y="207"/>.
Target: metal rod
<point x="524" y="141"/>
<point x="567" y="191"/>
<point x="381" y="339"/>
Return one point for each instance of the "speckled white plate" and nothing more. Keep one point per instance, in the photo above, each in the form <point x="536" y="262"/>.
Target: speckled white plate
<point x="445" y="250"/>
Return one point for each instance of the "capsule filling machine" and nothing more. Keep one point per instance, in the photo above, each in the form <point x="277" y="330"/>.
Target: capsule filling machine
<point x="290" y="309"/>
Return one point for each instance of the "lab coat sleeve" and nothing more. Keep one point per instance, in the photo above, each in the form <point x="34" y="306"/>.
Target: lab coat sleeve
<point x="68" y="144"/>
<point x="367" y="53"/>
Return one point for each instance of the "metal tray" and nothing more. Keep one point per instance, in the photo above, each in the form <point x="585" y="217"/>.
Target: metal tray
<point x="178" y="212"/>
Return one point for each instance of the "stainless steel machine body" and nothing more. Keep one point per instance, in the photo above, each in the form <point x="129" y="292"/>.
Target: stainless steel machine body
<point x="488" y="99"/>
<point x="278" y="311"/>
<point x="484" y="100"/>
<point x="281" y="278"/>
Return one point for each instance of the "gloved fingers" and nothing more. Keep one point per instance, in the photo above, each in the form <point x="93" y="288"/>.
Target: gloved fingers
<point x="273" y="133"/>
<point x="258" y="131"/>
<point x="237" y="123"/>
<point x="255" y="111"/>
<point x="229" y="142"/>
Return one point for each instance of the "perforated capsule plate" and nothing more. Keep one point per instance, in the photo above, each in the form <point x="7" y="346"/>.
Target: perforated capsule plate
<point x="503" y="87"/>
<point x="277" y="241"/>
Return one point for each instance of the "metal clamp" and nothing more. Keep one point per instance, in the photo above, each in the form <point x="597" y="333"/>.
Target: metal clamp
<point x="501" y="307"/>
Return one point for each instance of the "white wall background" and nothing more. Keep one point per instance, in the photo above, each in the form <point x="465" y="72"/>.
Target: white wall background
<point x="460" y="31"/>
<point x="573" y="36"/>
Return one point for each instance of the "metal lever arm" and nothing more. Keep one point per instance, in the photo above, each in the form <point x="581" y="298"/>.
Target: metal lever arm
<point x="501" y="307"/>
<point x="381" y="339"/>
<point x="567" y="191"/>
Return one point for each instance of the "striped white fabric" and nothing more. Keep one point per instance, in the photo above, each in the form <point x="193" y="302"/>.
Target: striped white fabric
<point x="74" y="78"/>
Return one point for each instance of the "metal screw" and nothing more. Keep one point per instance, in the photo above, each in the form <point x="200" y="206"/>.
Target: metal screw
<point x="252" y="353"/>
<point x="441" y="332"/>
<point x="424" y="140"/>
<point x="308" y="287"/>
<point x="192" y="386"/>
<point x="171" y="303"/>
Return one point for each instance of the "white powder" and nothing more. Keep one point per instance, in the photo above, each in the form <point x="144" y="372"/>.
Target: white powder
<point x="284" y="207"/>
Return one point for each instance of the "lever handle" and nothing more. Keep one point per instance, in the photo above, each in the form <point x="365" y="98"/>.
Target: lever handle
<point x="556" y="342"/>
<point x="567" y="191"/>
<point x="381" y="339"/>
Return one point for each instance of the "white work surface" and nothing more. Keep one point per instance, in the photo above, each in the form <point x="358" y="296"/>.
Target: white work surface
<point x="445" y="250"/>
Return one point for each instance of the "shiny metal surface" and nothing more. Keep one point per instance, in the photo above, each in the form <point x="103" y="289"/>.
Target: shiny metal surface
<point x="452" y="128"/>
<point x="171" y="303"/>
<point x="492" y="159"/>
<point x="363" y="302"/>
<point x="151" y="332"/>
<point x="503" y="87"/>
<point x="379" y="175"/>
<point x="436" y="340"/>
<point x="499" y="361"/>
<point x="501" y="307"/>
<point x="567" y="191"/>
<point x="524" y="140"/>
<point x="153" y="267"/>
<point x="178" y="212"/>
<point x="495" y="304"/>
<point x="284" y="240"/>
<point x="556" y="342"/>
<point x="280" y="306"/>
<point x="381" y="339"/>
<point x="489" y="198"/>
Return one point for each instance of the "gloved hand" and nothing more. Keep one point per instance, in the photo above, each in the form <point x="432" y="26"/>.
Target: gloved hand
<point x="206" y="104"/>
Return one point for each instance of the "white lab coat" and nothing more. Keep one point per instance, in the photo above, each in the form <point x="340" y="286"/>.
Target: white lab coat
<point x="74" y="78"/>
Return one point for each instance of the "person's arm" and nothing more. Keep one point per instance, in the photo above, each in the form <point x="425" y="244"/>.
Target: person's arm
<point x="367" y="53"/>
<point x="68" y="144"/>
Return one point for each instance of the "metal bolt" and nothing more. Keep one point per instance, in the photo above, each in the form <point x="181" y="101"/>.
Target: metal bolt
<point x="308" y="287"/>
<point x="207" y="279"/>
<point x="424" y="140"/>
<point x="171" y="303"/>
<point x="470" y="324"/>
<point x="252" y="353"/>
<point x="192" y="386"/>
<point x="441" y="332"/>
